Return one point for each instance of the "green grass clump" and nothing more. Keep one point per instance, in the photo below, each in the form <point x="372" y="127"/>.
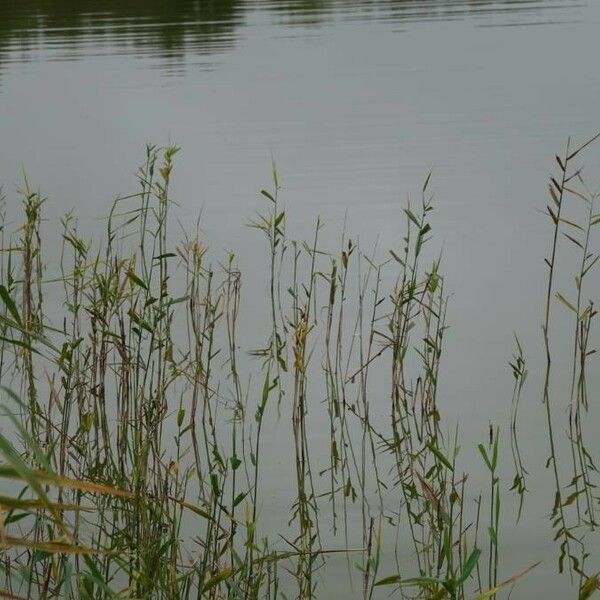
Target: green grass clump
<point x="135" y="426"/>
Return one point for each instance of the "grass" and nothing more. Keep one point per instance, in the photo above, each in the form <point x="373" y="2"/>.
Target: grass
<point x="137" y="432"/>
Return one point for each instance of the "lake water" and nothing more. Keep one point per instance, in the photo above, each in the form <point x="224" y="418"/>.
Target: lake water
<point x="356" y="101"/>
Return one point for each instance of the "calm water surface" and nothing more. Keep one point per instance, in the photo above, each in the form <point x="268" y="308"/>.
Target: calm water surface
<point x="356" y="101"/>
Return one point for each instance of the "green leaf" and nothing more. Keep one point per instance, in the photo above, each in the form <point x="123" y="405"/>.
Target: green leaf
<point x="267" y="195"/>
<point x="178" y="300"/>
<point x="94" y="576"/>
<point x="485" y="456"/>
<point x="412" y="582"/>
<point x="10" y="304"/>
<point x="216" y="579"/>
<point x="391" y="580"/>
<point x="396" y="257"/>
<point x="412" y="217"/>
<point x="438" y="454"/>
<point x="571" y="498"/>
<point x="135" y="279"/>
<point x="19" y="343"/>
<point x="469" y="565"/>
<point x="163" y="256"/>
<point x="239" y="498"/>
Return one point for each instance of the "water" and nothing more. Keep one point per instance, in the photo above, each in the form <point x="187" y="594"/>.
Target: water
<point x="356" y="101"/>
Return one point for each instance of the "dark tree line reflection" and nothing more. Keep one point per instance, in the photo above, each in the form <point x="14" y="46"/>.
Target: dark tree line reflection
<point x="170" y="29"/>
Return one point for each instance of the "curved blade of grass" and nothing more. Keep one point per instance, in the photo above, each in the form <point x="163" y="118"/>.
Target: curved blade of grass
<point x="11" y="472"/>
<point x="506" y="582"/>
<point x="52" y="547"/>
<point x="11" y="503"/>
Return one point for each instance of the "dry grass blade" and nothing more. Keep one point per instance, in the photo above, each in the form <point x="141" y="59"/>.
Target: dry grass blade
<point x="52" y="547"/>
<point x="9" y="502"/>
<point x="9" y="472"/>
<point x="507" y="582"/>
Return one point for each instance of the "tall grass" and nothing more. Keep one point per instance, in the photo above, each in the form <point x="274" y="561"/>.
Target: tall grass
<point x="136" y="420"/>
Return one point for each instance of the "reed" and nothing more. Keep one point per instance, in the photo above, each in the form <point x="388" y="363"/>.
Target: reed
<point x="137" y="450"/>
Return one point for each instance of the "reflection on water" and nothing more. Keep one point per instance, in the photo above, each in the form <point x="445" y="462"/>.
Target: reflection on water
<point x="69" y="30"/>
<point x="168" y="31"/>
